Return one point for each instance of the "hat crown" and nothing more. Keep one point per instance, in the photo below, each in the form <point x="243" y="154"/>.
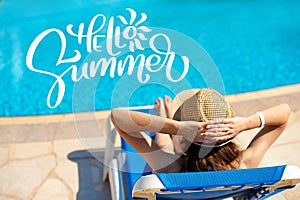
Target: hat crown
<point x="201" y="105"/>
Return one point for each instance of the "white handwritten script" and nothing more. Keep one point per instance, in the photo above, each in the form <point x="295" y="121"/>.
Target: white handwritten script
<point x="117" y="42"/>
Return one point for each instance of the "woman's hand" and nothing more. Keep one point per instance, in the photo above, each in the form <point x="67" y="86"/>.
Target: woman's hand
<point x="214" y="131"/>
<point x="225" y="129"/>
<point x="194" y="131"/>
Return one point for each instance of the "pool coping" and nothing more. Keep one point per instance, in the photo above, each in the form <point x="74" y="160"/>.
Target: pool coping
<point x="69" y="117"/>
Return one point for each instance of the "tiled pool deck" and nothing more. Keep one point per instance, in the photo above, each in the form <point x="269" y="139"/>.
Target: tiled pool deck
<point x="46" y="157"/>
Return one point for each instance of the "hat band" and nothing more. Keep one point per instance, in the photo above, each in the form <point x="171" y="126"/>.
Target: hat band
<point x="212" y="145"/>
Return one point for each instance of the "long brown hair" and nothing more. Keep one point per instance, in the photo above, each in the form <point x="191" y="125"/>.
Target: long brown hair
<point x="202" y="158"/>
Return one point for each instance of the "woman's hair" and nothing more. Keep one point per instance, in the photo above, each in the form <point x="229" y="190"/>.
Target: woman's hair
<point x="214" y="158"/>
<point x="204" y="105"/>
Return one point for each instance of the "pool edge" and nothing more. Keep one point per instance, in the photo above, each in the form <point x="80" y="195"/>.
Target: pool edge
<point x="100" y="115"/>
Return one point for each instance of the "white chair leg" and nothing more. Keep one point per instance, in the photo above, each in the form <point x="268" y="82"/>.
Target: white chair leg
<point x="114" y="180"/>
<point x="110" y="146"/>
<point x="120" y="164"/>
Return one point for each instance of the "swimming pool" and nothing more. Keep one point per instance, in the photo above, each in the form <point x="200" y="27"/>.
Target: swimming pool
<point x="255" y="45"/>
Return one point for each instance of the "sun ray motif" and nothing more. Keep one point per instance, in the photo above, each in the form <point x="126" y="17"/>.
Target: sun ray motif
<point x="123" y="20"/>
<point x="131" y="46"/>
<point x="142" y="36"/>
<point x="138" y="44"/>
<point x="144" y="18"/>
<point x="144" y="28"/>
<point x="132" y="15"/>
<point x="133" y="32"/>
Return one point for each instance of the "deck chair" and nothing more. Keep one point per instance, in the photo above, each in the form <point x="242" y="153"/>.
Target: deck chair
<point x="130" y="177"/>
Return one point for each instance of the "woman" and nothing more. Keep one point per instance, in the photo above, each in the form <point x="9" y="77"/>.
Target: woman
<point x="202" y="127"/>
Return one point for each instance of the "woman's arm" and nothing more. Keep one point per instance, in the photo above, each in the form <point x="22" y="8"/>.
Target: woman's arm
<point x="130" y="126"/>
<point x="132" y="122"/>
<point x="276" y="119"/>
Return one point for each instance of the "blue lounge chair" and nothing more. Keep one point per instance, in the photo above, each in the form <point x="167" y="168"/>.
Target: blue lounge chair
<point x="257" y="183"/>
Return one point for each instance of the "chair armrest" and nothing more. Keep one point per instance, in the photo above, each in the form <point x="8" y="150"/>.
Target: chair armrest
<point x="217" y="183"/>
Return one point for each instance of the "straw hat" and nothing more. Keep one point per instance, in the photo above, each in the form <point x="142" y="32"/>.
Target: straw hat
<point x="200" y="105"/>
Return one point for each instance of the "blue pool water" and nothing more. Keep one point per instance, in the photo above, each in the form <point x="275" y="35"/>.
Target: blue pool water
<point x="254" y="44"/>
